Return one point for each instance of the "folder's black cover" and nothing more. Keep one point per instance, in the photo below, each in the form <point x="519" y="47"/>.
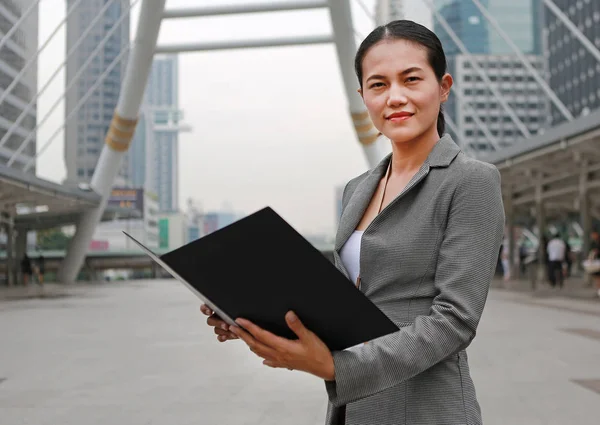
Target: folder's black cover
<point x="260" y="267"/>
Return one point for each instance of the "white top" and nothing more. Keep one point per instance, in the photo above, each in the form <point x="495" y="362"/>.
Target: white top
<point x="350" y="254"/>
<point x="556" y="250"/>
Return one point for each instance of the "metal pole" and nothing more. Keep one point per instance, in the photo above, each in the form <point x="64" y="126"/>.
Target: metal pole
<point x="375" y="146"/>
<point x="231" y="9"/>
<point x="573" y="28"/>
<point x="522" y="128"/>
<point x="536" y="75"/>
<point x="244" y="44"/>
<point x="120" y="133"/>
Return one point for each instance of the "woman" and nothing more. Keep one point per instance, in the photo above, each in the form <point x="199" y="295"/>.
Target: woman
<point x="426" y="225"/>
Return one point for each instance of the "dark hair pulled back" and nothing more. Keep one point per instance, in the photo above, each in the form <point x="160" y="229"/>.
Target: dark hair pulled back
<point x="413" y="32"/>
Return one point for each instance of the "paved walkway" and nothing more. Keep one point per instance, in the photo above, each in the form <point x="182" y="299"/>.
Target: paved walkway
<point x="139" y="353"/>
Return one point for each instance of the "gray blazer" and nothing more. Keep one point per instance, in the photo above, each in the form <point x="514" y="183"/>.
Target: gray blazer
<point x="427" y="261"/>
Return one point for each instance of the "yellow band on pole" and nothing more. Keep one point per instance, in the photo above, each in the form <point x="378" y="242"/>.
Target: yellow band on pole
<point x="359" y="116"/>
<point x="367" y="140"/>
<point x="364" y="127"/>
<point x="120" y="133"/>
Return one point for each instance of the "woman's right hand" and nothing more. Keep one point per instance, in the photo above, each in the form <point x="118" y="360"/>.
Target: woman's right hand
<point x="221" y="327"/>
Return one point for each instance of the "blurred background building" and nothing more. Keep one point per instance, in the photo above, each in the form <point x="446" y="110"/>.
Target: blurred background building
<point x="101" y="42"/>
<point x="18" y="110"/>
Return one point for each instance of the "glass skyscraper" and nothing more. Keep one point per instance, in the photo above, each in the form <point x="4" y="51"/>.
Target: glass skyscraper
<point x="482" y="123"/>
<point x="574" y="71"/>
<point x="85" y="132"/>
<point x="14" y="54"/>
<point x="153" y="156"/>
<point x="520" y="19"/>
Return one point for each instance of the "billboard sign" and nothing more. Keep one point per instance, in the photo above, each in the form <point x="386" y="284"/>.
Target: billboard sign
<point x="127" y="198"/>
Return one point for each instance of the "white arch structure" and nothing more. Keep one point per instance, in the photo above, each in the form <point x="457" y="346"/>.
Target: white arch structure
<point x="142" y="52"/>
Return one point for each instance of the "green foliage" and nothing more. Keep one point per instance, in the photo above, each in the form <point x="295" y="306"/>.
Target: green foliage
<point x="52" y="239"/>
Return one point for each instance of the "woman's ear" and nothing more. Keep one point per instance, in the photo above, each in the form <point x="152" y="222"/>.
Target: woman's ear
<point x="360" y="92"/>
<point x="445" y="86"/>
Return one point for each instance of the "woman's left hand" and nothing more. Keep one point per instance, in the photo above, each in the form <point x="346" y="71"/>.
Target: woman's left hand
<point x="308" y="353"/>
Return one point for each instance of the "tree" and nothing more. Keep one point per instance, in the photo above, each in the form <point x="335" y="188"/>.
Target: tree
<point x="52" y="239"/>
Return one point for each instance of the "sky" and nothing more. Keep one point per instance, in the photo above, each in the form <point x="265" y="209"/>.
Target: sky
<point x="269" y="126"/>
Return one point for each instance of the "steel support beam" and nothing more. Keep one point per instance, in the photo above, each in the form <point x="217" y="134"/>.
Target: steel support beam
<point x="375" y="146"/>
<point x="120" y="133"/>
<point x="244" y="44"/>
<point x="231" y="9"/>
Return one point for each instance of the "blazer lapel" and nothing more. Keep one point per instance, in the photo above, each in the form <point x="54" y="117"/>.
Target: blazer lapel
<point x="359" y="201"/>
<point x="442" y="154"/>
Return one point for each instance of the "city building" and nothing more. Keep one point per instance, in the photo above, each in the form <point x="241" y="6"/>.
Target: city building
<point x="517" y="86"/>
<point x="213" y="221"/>
<point x="172" y="230"/>
<point x="15" y="108"/>
<point x="152" y="160"/>
<point x="86" y="130"/>
<point x="521" y="20"/>
<point x="574" y="73"/>
<point x="109" y="235"/>
<point x="387" y="11"/>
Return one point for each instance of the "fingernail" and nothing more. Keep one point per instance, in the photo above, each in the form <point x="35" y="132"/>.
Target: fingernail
<point x="292" y="316"/>
<point x="224" y="326"/>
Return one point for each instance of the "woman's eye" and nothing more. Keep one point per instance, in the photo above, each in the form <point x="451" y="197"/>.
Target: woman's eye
<point x="412" y="79"/>
<point x="376" y="85"/>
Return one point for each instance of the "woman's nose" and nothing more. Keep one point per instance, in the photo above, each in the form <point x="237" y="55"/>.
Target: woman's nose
<point x="396" y="96"/>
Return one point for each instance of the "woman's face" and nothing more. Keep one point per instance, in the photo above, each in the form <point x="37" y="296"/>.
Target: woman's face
<point x="401" y="91"/>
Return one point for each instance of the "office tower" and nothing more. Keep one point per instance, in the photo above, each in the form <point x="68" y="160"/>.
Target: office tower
<point x="14" y="55"/>
<point x="86" y="130"/>
<point x="574" y="73"/>
<point x="153" y="156"/>
<point x="387" y="11"/>
<point x="520" y="20"/>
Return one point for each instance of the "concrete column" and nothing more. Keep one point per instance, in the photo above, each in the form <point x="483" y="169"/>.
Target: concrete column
<point x="20" y="249"/>
<point x="375" y="146"/>
<point x="540" y="217"/>
<point x="584" y="207"/>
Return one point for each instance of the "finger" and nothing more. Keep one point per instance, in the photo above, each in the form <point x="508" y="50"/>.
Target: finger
<point x="275" y="364"/>
<point x="217" y="322"/>
<point x="220" y="331"/>
<point x="266" y="337"/>
<point x="206" y="310"/>
<point x="223" y="338"/>
<point x="255" y="346"/>
<point x="294" y="323"/>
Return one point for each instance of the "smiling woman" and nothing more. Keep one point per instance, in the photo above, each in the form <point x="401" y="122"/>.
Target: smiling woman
<point x="419" y="235"/>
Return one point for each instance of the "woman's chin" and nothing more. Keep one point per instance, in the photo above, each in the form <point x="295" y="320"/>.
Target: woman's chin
<point x="401" y="137"/>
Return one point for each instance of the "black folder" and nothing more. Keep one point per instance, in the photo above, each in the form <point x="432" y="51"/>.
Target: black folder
<point x="260" y="267"/>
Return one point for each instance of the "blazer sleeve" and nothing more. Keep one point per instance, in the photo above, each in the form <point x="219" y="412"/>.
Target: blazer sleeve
<point x="465" y="267"/>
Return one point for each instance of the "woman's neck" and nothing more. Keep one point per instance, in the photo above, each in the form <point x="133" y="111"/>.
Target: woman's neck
<point x="408" y="156"/>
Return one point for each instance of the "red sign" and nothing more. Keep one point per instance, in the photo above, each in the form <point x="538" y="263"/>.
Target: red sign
<point x="99" y="246"/>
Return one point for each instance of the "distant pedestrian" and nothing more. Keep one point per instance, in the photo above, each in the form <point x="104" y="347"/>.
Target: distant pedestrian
<point x="26" y="269"/>
<point x="556" y="258"/>
<point x="41" y="269"/>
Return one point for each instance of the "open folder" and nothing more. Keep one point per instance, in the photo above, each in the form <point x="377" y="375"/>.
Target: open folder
<point x="260" y="267"/>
